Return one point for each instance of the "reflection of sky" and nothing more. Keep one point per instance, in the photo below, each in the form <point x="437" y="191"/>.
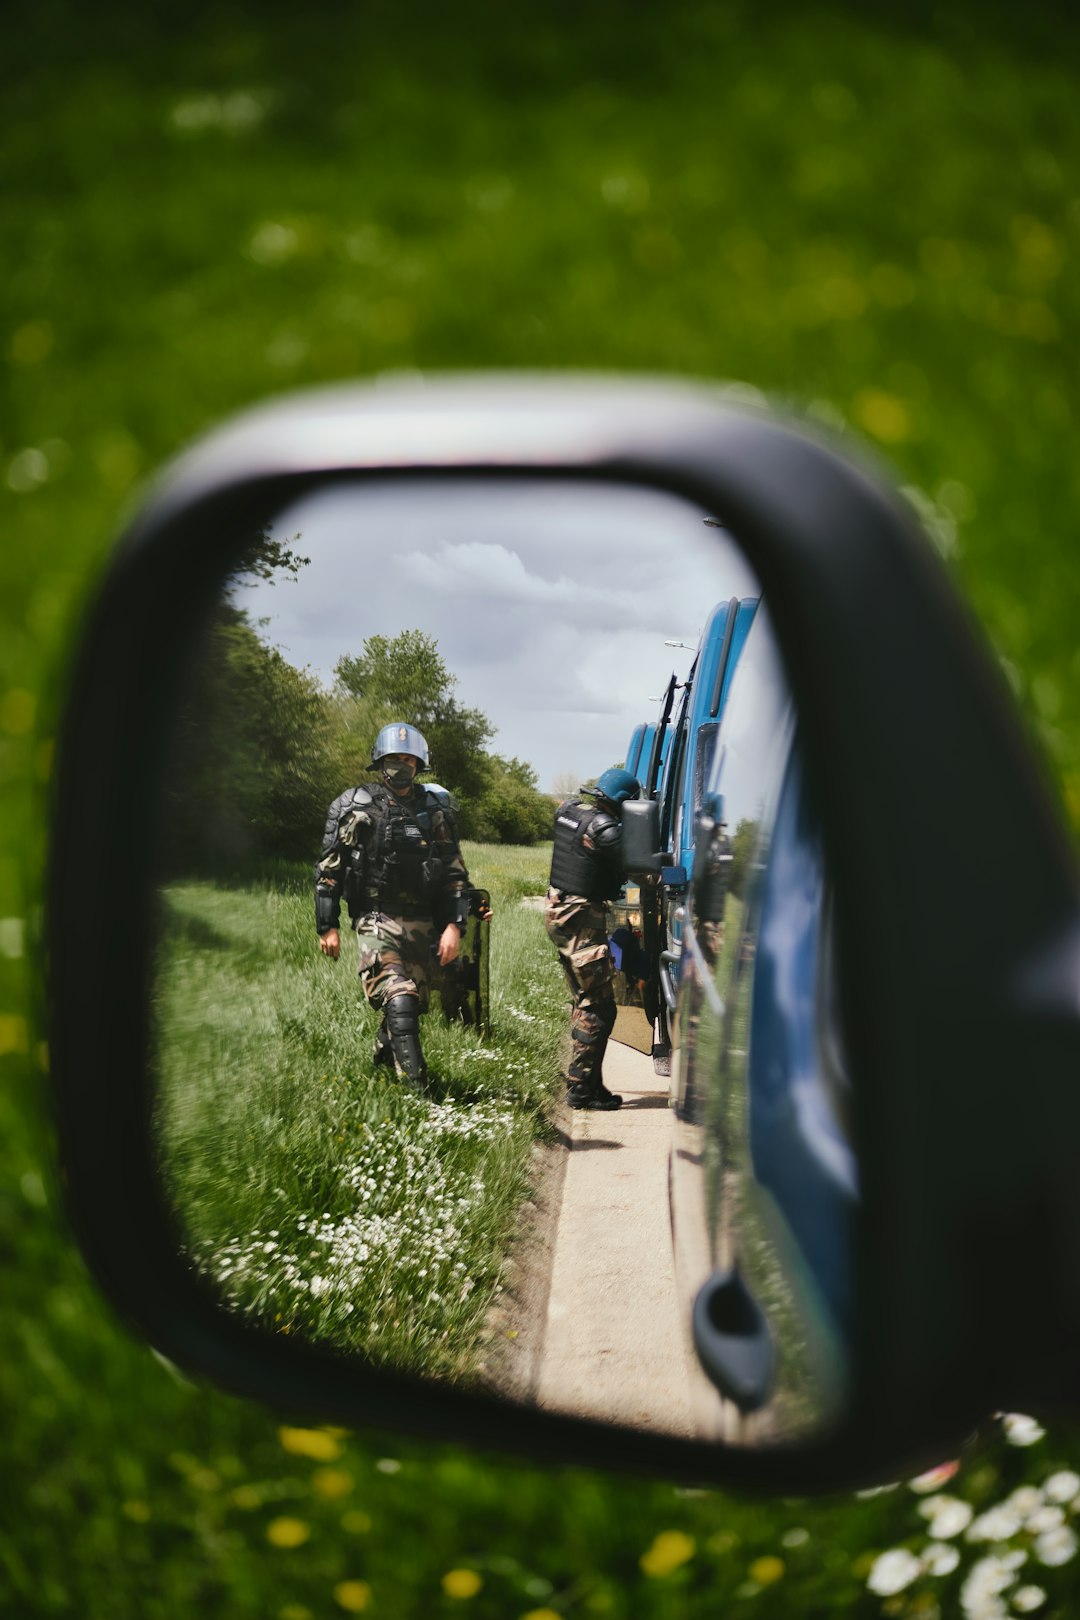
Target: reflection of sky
<point x="755" y="733"/>
<point x="790" y="940"/>
<point x="549" y="602"/>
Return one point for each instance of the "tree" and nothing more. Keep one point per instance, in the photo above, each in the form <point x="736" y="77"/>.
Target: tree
<point x="565" y="785"/>
<point x="511" y="809"/>
<point x="405" y="678"/>
<point x="264" y="557"/>
<point x="261" y="749"/>
<point x="743" y="848"/>
<point x="251" y="765"/>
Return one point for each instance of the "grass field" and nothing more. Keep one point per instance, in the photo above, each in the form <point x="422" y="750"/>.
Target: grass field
<point x="869" y="213"/>
<point x="323" y="1197"/>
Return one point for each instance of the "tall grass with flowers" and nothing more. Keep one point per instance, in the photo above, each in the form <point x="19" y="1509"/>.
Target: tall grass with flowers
<point x="321" y="1196"/>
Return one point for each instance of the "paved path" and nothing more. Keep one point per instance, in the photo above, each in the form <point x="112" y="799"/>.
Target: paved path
<point x="614" y="1345"/>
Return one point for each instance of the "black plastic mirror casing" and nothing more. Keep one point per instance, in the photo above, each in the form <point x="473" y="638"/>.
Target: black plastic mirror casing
<point x="958" y="924"/>
<point x="641" y="835"/>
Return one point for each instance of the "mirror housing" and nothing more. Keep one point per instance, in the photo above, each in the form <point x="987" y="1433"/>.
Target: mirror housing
<point x="711" y="875"/>
<point x="640" y="836"/>
<point x="959" y="967"/>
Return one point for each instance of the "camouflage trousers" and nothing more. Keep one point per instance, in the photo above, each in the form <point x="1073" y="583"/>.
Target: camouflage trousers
<point x="578" y="930"/>
<point x="395" y="957"/>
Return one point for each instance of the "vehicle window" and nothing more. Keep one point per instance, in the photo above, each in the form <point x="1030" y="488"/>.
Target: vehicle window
<point x="703" y="764"/>
<point x="673" y="771"/>
<point x="754" y="742"/>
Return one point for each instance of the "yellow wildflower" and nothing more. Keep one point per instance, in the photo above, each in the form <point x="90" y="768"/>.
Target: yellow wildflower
<point x="13" y="1034"/>
<point x="352" y="1595"/>
<point x="883" y="415"/>
<point x="766" y="1570"/>
<point x="670" y="1550"/>
<point x="286" y="1532"/>
<point x="313" y="1443"/>
<point x="542" y="1614"/>
<point x="17" y="708"/>
<point x="461" y="1583"/>
<point x="330" y="1483"/>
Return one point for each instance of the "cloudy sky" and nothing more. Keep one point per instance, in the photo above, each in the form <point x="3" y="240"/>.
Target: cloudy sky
<point x="551" y="603"/>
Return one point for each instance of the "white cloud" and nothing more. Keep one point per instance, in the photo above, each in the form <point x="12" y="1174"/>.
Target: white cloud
<point x="549" y="602"/>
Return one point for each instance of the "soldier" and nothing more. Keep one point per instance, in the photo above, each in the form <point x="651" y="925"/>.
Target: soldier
<point x="586" y="870"/>
<point x="391" y="850"/>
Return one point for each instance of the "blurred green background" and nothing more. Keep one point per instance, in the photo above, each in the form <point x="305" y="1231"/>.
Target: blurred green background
<point x="871" y="214"/>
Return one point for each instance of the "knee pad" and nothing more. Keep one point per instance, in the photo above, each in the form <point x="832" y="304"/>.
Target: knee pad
<point x="402" y="1015"/>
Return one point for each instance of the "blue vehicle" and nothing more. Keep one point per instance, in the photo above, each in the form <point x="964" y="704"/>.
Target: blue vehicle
<point x="639" y="749"/>
<point x="764" y="1190"/>
<point x="646" y="925"/>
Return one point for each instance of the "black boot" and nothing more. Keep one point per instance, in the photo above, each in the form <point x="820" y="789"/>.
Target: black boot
<point x="402" y="1018"/>
<point x="582" y="1094"/>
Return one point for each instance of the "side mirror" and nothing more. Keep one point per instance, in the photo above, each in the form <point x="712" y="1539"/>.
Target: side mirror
<point x="195" y="1058"/>
<point x="641" y="836"/>
<point x="712" y="860"/>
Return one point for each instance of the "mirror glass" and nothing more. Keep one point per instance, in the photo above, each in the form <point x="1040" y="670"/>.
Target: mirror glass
<point x="364" y="1031"/>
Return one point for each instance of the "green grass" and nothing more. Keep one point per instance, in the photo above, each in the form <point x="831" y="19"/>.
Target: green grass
<point x="321" y="1196"/>
<point x="831" y="203"/>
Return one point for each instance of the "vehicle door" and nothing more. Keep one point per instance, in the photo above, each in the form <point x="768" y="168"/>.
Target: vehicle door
<point x="763" y="1180"/>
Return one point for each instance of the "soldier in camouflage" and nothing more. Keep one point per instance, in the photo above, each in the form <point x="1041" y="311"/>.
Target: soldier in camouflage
<point x="586" y="870"/>
<point x="390" y="850"/>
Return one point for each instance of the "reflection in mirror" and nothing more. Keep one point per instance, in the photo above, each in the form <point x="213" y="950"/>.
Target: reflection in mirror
<point x="762" y="1137"/>
<point x="362" y="1013"/>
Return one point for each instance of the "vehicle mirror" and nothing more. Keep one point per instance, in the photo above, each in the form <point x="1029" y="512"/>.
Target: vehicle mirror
<point x="706" y="821"/>
<point x="712" y="861"/>
<point x="278" y="1203"/>
<point x="641" y="836"/>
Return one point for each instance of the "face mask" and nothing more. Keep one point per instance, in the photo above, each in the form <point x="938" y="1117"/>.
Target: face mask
<point x="399" y="776"/>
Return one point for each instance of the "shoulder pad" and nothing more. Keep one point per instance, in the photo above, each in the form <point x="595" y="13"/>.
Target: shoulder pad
<point x="605" y="829"/>
<point x="361" y="796"/>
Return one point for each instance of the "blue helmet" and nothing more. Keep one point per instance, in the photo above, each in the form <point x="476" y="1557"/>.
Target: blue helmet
<point x="400" y="739"/>
<point x="617" y="785"/>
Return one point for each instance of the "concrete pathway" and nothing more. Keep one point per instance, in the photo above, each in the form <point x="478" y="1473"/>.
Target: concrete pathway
<point x="614" y="1346"/>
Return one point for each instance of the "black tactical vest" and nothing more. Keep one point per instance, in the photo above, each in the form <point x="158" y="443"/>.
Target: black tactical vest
<point x="576" y="869"/>
<point x="402" y="865"/>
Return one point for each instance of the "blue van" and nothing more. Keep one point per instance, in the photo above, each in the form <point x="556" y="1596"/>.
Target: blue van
<point x="645" y="925"/>
<point x="764" y="1186"/>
